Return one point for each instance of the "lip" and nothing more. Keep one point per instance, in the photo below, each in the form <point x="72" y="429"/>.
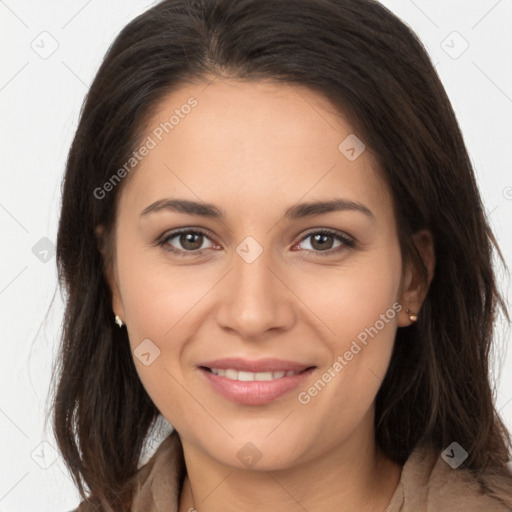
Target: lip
<point x="255" y="392"/>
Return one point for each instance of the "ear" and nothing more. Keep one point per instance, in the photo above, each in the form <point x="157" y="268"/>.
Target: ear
<point x="110" y="270"/>
<point x="414" y="288"/>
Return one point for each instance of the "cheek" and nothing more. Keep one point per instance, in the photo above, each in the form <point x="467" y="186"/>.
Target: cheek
<point x="159" y="297"/>
<point x="165" y="304"/>
<point x="158" y="302"/>
<point x="353" y="296"/>
<point x="359" y="305"/>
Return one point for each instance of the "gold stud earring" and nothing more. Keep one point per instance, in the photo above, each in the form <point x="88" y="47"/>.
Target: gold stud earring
<point x="412" y="316"/>
<point x="118" y="321"/>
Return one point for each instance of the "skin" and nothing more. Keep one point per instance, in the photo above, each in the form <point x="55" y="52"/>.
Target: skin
<point x="254" y="149"/>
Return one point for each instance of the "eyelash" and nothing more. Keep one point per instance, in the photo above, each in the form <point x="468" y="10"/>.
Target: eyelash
<point x="348" y="243"/>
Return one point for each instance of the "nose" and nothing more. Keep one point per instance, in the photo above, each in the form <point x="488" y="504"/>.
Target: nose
<point x="256" y="299"/>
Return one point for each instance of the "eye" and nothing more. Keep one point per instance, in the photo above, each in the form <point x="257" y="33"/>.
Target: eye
<point x="191" y="242"/>
<point x="323" y="242"/>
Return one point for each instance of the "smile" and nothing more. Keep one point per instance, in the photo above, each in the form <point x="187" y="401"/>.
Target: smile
<point x="254" y="382"/>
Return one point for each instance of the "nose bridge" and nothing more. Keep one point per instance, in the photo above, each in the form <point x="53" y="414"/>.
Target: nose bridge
<point x="251" y="272"/>
<point x="255" y="300"/>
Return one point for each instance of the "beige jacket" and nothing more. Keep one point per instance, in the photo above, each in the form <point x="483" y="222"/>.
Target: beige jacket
<point x="427" y="484"/>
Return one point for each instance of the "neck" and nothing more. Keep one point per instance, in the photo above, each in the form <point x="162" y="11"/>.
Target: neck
<point x="351" y="476"/>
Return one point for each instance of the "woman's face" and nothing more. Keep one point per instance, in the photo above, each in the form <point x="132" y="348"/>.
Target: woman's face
<point x="261" y="283"/>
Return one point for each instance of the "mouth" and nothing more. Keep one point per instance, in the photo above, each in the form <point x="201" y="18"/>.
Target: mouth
<point x="254" y="382"/>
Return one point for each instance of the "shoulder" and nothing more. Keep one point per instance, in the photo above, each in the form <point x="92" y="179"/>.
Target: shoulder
<point x="157" y="483"/>
<point x="429" y="483"/>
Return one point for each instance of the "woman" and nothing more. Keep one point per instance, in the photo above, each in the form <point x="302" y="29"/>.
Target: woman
<point x="271" y="236"/>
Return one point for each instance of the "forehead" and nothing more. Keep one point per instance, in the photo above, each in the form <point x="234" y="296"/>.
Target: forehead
<point x="252" y="143"/>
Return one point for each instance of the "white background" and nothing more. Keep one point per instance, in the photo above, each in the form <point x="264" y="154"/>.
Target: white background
<point x="40" y="99"/>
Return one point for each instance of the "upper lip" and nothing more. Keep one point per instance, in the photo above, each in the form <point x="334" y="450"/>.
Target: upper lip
<point x="259" y="365"/>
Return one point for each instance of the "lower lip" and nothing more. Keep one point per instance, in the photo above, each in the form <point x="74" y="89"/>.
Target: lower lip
<point x="255" y="392"/>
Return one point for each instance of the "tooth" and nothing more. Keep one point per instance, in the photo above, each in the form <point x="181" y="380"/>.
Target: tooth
<point x="231" y="374"/>
<point x="263" y="376"/>
<point x="243" y="376"/>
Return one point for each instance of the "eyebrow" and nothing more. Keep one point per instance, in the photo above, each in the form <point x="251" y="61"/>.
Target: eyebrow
<point x="297" y="211"/>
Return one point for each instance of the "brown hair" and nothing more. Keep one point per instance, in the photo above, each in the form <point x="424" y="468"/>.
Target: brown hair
<point x="374" y="69"/>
